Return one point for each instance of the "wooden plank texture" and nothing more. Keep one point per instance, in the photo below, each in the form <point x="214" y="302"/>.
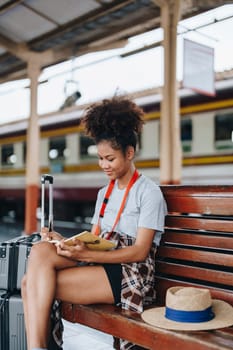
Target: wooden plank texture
<point x="193" y="272"/>
<point x="214" y="200"/>
<point x="200" y="223"/>
<point x="196" y="256"/>
<point x="219" y="242"/>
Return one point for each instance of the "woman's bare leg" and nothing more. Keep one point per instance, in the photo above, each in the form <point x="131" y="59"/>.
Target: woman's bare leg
<point x="38" y="294"/>
<point x="51" y="276"/>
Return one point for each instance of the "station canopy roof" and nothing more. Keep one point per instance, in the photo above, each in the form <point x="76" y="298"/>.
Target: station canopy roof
<point x="52" y="31"/>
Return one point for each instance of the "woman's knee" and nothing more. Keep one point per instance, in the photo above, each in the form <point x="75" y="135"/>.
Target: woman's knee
<point x="41" y="252"/>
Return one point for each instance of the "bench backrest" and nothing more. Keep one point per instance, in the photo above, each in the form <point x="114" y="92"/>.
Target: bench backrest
<point x="197" y="247"/>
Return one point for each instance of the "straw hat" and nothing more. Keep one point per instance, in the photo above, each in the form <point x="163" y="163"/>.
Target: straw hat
<point x="190" y="309"/>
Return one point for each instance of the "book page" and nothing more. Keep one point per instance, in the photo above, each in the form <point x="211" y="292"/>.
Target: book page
<point x="92" y="241"/>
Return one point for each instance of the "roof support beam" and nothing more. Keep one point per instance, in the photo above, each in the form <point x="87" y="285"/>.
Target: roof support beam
<point x="160" y="3"/>
<point x="53" y="56"/>
<point x="170" y="145"/>
<point x="9" y="5"/>
<point x="32" y="156"/>
<point x="11" y="46"/>
<point x="25" y="54"/>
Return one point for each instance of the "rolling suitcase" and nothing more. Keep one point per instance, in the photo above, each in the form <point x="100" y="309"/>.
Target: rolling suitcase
<point x="13" y="260"/>
<point x="13" y="336"/>
<point x="8" y="263"/>
<point x="13" y="264"/>
<point x="3" y="319"/>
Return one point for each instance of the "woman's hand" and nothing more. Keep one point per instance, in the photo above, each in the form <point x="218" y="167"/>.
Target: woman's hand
<point x="47" y="235"/>
<point x="78" y="251"/>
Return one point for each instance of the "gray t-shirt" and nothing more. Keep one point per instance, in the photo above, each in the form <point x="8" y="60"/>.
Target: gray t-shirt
<point x="144" y="207"/>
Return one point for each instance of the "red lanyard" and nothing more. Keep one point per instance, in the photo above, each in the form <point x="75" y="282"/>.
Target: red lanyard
<point x="106" y="198"/>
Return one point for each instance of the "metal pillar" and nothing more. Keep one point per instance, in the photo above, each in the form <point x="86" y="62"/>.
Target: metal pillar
<point x="32" y="156"/>
<point x="170" y="145"/>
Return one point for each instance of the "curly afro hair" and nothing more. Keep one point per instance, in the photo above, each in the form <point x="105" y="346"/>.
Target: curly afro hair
<point x="118" y="120"/>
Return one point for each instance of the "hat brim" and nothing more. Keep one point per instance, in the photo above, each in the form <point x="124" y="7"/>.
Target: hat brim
<point x="223" y="318"/>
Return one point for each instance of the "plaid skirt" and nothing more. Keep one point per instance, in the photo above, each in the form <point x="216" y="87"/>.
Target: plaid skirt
<point x="137" y="289"/>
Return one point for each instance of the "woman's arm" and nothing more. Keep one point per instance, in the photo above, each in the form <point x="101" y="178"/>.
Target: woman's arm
<point x="135" y="253"/>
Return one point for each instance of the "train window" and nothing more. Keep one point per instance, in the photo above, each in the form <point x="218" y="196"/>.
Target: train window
<point x="57" y="146"/>
<point x="57" y="153"/>
<point x="223" y="131"/>
<point x="8" y="156"/>
<point x="186" y="134"/>
<point x="87" y="147"/>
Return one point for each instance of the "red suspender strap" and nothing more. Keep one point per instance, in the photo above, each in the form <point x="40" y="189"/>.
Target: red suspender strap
<point x="130" y="184"/>
<point x="105" y="201"/>
<point x="107" y="195"/>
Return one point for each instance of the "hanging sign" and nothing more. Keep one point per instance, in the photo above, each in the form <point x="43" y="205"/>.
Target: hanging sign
<point x="198" y="68"/>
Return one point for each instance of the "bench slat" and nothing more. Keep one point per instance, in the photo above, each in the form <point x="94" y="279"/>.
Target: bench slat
<point x="194" y="273"/>
<point x="200" y="223"/>
<point x="198" y="190"/>
<point x="201" y="205"/>
<point x="199" y="240"/>
<point x="196" y="255"/>
<point x="214" y="200"/>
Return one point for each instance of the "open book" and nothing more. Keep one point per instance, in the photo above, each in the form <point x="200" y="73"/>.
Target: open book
<point x="92" y="241"/>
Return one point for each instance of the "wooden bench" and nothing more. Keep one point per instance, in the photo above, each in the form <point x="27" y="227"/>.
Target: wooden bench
<point x="196" y="250"/>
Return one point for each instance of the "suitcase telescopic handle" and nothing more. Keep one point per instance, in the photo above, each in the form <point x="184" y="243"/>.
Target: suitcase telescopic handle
<point x="47" y="178"/>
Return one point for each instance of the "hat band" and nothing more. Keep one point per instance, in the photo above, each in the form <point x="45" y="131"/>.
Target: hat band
<point x="189" y="316"/>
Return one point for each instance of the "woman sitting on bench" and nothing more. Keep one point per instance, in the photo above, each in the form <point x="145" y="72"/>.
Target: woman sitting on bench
<point x="130" y="211"/>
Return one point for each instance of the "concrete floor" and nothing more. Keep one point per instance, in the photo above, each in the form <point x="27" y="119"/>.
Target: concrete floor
<point x="78" y="337"/>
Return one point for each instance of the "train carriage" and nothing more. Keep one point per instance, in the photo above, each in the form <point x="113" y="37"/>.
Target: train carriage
<point x="207" y="144"/>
